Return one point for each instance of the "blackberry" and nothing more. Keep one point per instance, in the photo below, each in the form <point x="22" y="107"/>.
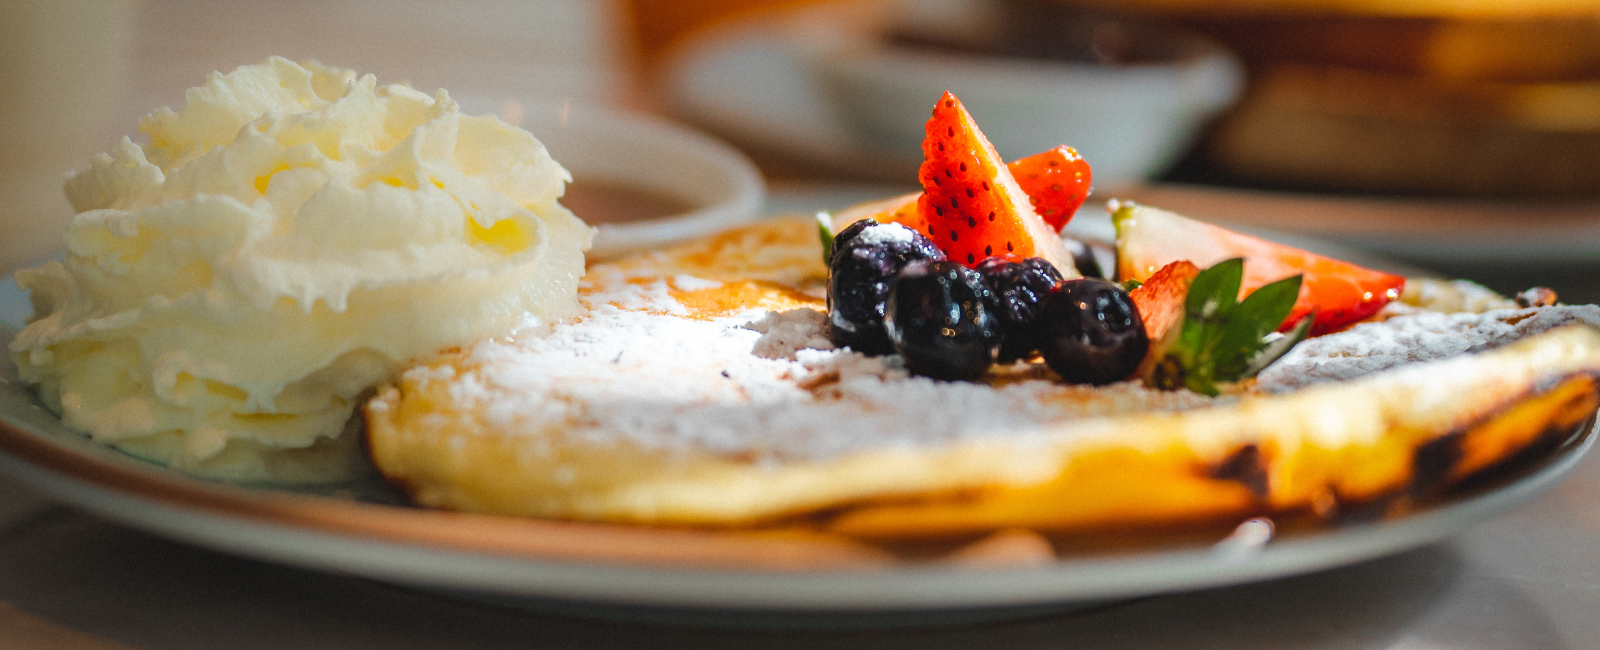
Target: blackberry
<point x="850" y="232"/>
<point x="1018" y="288"/>
<point x="866" y="257"/>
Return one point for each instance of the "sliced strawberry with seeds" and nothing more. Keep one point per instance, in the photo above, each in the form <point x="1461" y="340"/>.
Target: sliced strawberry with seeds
<point x="1160" y="298"/>
<point x="972" y="206"/>
<point x="1056" y="182"/>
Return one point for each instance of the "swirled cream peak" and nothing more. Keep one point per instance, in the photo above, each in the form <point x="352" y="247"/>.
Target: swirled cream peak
<point x="286" y="241"/>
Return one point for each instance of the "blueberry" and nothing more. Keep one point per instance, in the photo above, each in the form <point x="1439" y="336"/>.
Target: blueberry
<point x="1018" y="288"/>
<point x="866" y="257"/>
<point x="937" y="317"/>
<point x="1093" y="333"/>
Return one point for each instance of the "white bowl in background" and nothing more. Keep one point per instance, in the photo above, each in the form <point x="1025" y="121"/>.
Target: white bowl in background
<point x="1130" y="122"/>
<point x="620" y="159"/>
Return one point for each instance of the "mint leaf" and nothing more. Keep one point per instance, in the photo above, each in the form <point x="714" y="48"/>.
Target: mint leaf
<point x="1276" y="345"/>
<point x="825" y="233"/>
<point x="1258" y="315"/>
<point x="1215" y="291"/>
<point x="1199" y="380"/>
<point x="1223" y="339"/>
<point x="1207" y="308"/>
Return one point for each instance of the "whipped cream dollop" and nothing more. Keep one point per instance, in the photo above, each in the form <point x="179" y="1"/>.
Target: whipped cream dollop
<point x="293" y="236"/>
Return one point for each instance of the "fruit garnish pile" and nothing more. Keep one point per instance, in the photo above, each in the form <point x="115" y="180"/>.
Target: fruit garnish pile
<point x="975" y="272"/>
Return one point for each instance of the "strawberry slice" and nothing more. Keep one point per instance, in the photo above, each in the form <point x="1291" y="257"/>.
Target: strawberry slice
<point x="1160" y="304"/>
<point x="972" y="206"/>
<point x="1160" y="299"/>
<point x="1341" y="293"/>
<point x="1056" y="182"/>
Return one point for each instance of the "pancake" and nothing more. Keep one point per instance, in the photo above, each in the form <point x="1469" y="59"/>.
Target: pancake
<point x="698" y="387"/>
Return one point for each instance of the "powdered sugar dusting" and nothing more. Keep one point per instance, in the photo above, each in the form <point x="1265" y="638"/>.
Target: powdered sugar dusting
<point x="888" y="233"/>
<point x="632" y="372"/>
<point x="684" y="282"/>
<point x="1413" y="338"/>
<point x="783" y="334"/>
<point x="636" y="370"/>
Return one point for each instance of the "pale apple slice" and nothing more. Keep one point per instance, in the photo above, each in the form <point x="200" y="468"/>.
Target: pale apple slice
<point x="1339" y="292"/>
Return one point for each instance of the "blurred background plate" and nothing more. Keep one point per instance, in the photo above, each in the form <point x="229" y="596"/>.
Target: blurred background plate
<point x="643" y="181"/>
<point x="849" y="85"/>
<point x="752" y="81"/>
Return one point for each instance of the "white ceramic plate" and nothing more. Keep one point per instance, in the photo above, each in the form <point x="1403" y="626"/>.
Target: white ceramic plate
<point x="815" y="85"/>
<point x="753" y="83"/>
<point x="362" y="529"/>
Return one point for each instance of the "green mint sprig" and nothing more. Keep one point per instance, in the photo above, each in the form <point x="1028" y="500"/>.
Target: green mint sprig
<point x="1223" y="339"/>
